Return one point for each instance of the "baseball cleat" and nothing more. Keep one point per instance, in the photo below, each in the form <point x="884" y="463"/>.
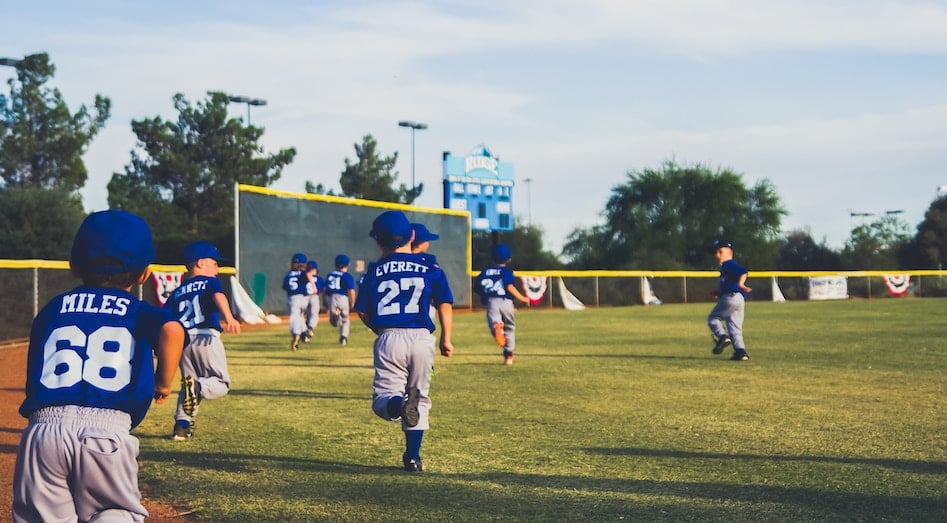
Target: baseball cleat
<point x="182" y="431"/>
<point x="739" y="355"/>
<point x="189" y="388"/>
<point x="508" y="360"/>
<point x="412" y="464"/>
<point x="498" y="334"/>
<point x="310" y="333"/>
<point x="722" y="343"/>
<point x="410" y="413"/>
<point x="343" y="340"/>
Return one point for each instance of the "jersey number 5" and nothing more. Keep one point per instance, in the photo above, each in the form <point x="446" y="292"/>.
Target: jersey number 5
<point x="392" y="289"/>
<point x="109" y="351"/>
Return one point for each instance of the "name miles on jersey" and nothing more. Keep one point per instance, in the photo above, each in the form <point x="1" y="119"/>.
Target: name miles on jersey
<point x="99" y="304"/>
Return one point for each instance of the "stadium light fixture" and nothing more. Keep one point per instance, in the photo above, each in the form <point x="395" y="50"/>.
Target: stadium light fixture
<point x="414" y="126"/>
<point x="12" y="62"/>
<point x="249" y="101"/>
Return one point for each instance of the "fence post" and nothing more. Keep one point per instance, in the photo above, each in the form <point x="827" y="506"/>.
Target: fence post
<point x="685" y="288"/>
<point x="595" y="279"/>
<point x="35" y="292"/>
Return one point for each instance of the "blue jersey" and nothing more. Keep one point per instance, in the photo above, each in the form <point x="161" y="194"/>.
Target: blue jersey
<point x="193" y="303"/>
<point x="316" y="288"/>
<point x="339" y="282"/>
<point x="92" y="347"/>
<point x="730" y="273"/>
<point x="398" y="289"/>
<point x="296" y="282"/>
<point x="493" y="281"/>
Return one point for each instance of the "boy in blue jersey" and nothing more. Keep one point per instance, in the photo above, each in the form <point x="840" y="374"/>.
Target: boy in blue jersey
<point x="296" y="284"/>
<point x="731" y="303"/>
<point x="393" y="302"/>
<point x="497" y="290"/>
<point x="90" y="379"/>
<point x="340" y="293"/>
<point x="200" y="304"/>
<point x="315" y="298"/>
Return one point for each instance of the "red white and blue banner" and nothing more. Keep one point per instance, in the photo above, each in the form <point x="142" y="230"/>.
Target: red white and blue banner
<point x="535" y="287"/>
<point x="898" y="284"/>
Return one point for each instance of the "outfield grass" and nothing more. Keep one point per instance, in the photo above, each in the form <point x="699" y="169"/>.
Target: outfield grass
<point x="606" y="415"/>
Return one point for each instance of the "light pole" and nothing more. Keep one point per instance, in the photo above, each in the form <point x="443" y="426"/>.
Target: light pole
<point x="12" y="62"/>
<point x="415" y="126"/>
<point x="249" y="101"/>
<point x="529" y="202"/>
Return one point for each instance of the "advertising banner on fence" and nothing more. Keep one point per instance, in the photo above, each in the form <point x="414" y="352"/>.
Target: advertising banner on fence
<point x="828" y="288"/>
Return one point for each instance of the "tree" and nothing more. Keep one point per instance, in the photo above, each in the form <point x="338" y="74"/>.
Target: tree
<point x="371" y="177"/>
<point x="526" y="242"/>
<point x="799" y="252"/>
<point x="668" y="218"/>
<point x="928" y="249"/>
<point x="876" y="245"/>
<point x="38" y="223"/>
<point x="182" y="174"/>
<point x="41" y="142"/>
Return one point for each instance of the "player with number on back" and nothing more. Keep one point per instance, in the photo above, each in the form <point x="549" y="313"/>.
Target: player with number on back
<point x="731" y="303"/>
<point x="90" y="379"/>
<point x="200" y="303"/>
<point x="497" y="290"/>
<point x="393" y="302"/>
<point x="340" y="291"/>
<point x="296" y="284"/>
<point x="317" y="283"/>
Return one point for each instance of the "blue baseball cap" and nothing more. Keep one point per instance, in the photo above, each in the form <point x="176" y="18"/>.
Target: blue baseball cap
<point x="200" y="250"/>
<point x="116" y="234"/>
<point x="501" y="253"/>
<point x="299" y="258"/>
<point x="391" y="229"/>
<point x="312" y="264"/>
<point x="421" y="234"/>
<point x="341" y="261"/>
<point x="723" y="243"/>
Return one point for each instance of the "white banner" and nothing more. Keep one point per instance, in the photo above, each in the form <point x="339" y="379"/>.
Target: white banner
<point x="165" y="283"/>
<point x="828" y="288"/>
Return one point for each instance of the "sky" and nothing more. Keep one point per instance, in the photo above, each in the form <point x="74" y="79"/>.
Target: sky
<point x="840" y="104"/>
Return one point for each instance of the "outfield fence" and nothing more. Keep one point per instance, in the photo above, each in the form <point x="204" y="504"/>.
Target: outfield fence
<point x="26" y="285"/>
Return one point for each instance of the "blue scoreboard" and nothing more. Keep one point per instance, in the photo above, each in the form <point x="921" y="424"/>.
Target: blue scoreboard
<point x="481" y="184"/>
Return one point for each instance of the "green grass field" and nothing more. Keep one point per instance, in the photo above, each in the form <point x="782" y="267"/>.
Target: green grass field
<point x="606" y="415"/>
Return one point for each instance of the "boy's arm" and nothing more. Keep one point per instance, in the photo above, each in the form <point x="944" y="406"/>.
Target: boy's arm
<point x="169" y="349"/>
<point x="742" y="283"/>
<point x="445" y="313"/>
<point x="511" y="288"/>
<point x="231" y="323"/>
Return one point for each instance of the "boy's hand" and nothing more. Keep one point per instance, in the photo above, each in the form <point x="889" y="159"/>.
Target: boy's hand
<point x="447" y="348"/>
<point x="161" y="394"/>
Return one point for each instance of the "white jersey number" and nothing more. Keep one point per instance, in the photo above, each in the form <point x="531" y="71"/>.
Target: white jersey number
<point x="494" y="287"/>
<point x="109" y="351"/>
<point x="191" y="312"/>
<point x="392" y="289"/>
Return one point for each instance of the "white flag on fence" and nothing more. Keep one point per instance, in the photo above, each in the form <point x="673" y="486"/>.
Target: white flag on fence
<point x="777" y="293"/>
<point x="569" y="301"/>
<point x="647" y="293"/>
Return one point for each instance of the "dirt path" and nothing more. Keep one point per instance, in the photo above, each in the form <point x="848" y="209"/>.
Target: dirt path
<point x="12" y="376"/>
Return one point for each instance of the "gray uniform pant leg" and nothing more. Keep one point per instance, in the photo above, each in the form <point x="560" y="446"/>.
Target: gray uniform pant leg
<point x="76" y="462"/>
<point x="339" y="310"/>
<point x="313" y="319"/>
<point x="205" y="360"/>
<point x="404" y="359"/>
<point x="297" y="304"/>
<point x="726" y="318"/>
<point x="501" y="310"/>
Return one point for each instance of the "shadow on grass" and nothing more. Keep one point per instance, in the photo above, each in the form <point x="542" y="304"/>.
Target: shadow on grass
<point x="915" y="466"/>
<point x="476" y="496"/>
<point x="282" y="393"/>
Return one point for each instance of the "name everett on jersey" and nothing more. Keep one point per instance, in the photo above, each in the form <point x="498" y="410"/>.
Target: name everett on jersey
<point x="97" y="303"/>
<point x="399" y="266"/>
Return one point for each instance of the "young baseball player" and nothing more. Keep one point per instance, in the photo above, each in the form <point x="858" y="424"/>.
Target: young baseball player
<point x="497" y="290"/>
<point x="315" y="298"/>
<point x="340" y="291"/>
<point x="296" y="284"/>
<point x="422" y="239"/>
<point x="392" y="302"/>
<point x="200" y="304"/>
<point x="731" y="302"/>
<point x="90" y="379"/>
